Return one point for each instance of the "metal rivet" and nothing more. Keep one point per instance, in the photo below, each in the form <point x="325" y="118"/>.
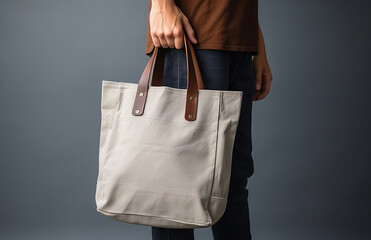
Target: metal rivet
<point x="137" y="111"/>
<point x="141" y="94"/>
<point x="190" y="116"/>
<point x="191" y="98"/>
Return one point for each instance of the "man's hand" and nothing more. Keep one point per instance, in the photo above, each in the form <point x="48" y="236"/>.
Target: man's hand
<point x="168" y="24"/>
<point x="263" y="75"/>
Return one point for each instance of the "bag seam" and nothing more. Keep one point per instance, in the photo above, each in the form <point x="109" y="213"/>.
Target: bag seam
<point x="159" y="189"/>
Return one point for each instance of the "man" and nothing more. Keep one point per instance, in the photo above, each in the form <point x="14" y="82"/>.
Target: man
<point x="230" y="50"/>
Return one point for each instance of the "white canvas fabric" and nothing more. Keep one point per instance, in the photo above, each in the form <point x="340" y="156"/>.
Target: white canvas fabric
<point x="157" y="168"/>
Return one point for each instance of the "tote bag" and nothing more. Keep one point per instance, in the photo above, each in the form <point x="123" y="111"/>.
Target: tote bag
<point x="165" y="153"/>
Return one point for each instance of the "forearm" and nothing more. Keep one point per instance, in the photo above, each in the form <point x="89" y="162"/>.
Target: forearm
<point x="261" y="44"/>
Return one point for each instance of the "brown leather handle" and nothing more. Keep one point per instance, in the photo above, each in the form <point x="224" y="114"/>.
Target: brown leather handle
<point x="194" y="81"/>
<point x="157" y="73"/>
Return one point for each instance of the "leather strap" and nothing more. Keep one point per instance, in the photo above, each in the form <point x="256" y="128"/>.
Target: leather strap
<point x="194" y="80"/>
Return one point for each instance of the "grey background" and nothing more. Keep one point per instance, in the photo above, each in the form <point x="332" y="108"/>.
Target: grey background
<point x="311" y="133"/>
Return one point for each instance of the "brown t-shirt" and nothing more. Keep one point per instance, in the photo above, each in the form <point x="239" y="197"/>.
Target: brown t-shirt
<point x="219" y="24"/>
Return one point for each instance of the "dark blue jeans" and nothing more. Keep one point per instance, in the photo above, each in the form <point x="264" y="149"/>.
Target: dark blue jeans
<point x="220" y="70"/>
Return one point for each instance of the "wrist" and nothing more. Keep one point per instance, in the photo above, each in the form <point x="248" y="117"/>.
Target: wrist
<point x="162" y="4"/>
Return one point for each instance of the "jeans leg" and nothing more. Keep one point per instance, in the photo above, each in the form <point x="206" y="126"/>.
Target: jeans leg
<point x="172" y="234"/>
<point x="231" y="70"/>
<point x="235" y="222"/>
<point x="221" y="70"/>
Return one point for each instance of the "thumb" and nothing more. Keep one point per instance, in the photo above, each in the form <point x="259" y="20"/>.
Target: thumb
<point x="189" y="30"/>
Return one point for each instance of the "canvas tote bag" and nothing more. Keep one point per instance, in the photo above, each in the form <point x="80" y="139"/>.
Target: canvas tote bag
<point x="165" y="153"/>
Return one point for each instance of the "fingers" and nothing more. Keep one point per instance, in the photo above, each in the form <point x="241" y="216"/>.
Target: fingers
<point x="165" y="38"/>
<point x="163" y="41"/>
<point x="264" y="90"/>
<point x="264" y="86"/>
<point x="178" y="37"/>
<point x="169" y="38"/>
<point x="168" y="28"/>
<point x="156" y="40"/>
<point x="175" y="38"/>
<point x="189" y="30"/>
<point x="258" y="79"/>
